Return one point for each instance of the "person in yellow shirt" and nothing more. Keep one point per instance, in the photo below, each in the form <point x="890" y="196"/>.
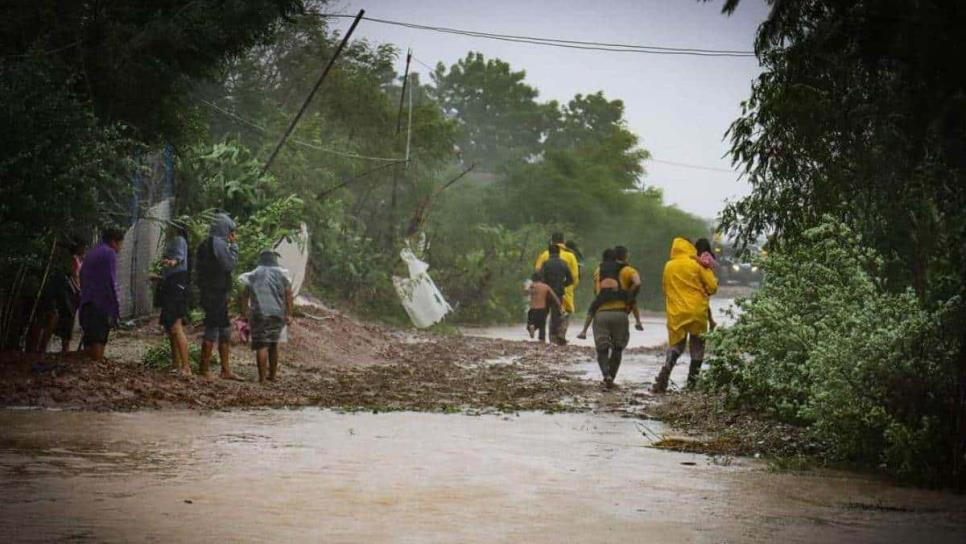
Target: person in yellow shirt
<point x="610" y="312"/>
<point x="687" y="288"/>
<point x="559" y="321"/>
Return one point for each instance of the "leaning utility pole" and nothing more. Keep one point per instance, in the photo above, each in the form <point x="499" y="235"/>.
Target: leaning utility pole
<point x="308" y="99"/>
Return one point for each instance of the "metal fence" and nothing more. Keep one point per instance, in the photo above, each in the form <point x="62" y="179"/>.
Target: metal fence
<point x="151" y="207"/>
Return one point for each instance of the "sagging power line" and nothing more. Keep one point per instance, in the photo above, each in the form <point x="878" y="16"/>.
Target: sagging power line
<point x="565" y="43"/>
<point x="302" y="143"/>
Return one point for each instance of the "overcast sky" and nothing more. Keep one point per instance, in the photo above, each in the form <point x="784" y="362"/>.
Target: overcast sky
<point x="679" y="106"/>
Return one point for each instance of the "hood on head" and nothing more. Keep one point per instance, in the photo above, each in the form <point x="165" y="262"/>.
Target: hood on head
<point x="221" y="225"/>
<point x="268" y="257"/>
<point x="682" y="248"/>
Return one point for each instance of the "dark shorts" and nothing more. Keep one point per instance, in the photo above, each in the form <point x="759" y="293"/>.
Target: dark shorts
<point x="217" y="322"/>
<point x="266" y="331"/>
<point x="173" y="295"/>
<point x="95" y="324"/>
<point x="537" y="317"/>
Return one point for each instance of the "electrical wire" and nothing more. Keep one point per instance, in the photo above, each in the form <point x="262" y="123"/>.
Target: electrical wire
<point x="299" y="142"/>
<point x="693" y="166"/>
<point x="565" y="43"/>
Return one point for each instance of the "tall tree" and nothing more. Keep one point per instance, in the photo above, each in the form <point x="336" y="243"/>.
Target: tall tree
<point x="500" y="118"/>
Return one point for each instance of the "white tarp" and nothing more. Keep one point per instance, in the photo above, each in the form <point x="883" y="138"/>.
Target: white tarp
<point x="419" y="295"/>
<point x="294" y="257"/>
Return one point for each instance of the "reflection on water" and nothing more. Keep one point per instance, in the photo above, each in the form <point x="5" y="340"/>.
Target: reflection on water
<point x="311" y="475"/>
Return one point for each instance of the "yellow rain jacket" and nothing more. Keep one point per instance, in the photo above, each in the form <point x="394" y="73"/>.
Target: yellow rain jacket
<point x="687" y="287"/>
<point x="570" y="259"/>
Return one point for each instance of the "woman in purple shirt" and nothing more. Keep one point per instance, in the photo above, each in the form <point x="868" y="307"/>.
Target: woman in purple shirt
<point x="99" y="308"/>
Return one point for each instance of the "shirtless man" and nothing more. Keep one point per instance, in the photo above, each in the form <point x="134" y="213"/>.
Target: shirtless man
<point x="541" y="299"/>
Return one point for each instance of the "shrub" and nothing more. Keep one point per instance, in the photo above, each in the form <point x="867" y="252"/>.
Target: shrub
<point x="824" y="344"/>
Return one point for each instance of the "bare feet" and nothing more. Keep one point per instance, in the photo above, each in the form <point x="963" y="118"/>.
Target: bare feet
<point x="207" y="375"/>
<point x="231" y="376"/>
<point x="186" y="371"/>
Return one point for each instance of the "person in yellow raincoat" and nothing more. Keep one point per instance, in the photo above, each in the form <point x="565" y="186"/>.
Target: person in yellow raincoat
<point x="560" y="321"/>
<point x="687" y="289"/>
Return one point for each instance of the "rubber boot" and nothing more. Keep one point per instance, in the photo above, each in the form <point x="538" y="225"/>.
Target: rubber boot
<point x="660" y="384"/>
<point x="693" y="372"/>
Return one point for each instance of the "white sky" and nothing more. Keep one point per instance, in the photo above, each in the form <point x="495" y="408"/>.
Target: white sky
<point x="679" y="106"/>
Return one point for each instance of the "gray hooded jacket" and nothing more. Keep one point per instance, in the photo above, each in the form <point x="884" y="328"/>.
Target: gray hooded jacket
<point x="216" y="256"/>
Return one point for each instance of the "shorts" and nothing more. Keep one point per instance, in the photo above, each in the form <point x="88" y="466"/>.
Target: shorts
<point x="537" y="317"/>
<point x="95" y="324"/>
<point x="267" y="331"/>
<point x="217" y="324"/>
<point x="173" y="295"/>
<point x="611" y="330"/>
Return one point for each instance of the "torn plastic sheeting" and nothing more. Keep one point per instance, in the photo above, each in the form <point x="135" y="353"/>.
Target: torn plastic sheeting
<point x="420" y="297"/>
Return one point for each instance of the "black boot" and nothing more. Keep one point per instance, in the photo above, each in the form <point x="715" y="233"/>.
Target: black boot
<point x="693" y="372"/>
<point x="660" y="384"/>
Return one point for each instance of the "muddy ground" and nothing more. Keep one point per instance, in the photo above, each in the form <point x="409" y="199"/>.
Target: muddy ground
<point x="336" y="361"/>
<point x="332" y="361"/>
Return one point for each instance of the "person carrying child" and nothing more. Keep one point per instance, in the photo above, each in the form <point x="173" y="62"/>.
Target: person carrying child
<point x="542" y="299"/>
<point x="707" y="259"/>
<point x="615" y="283"/>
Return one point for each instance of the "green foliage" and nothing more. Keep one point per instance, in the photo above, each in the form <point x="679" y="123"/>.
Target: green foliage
<point x="158" y="357"/>
<point x="823" y="344"/>
<point x="227" y="176"/>
<point x="859" y="113"/>
<point x="501" y="121"/>
<point x="136" y="62"/>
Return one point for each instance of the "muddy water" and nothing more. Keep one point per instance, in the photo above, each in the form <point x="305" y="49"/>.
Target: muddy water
<point x="312" y="476"/>
<point x="653" y="335"/>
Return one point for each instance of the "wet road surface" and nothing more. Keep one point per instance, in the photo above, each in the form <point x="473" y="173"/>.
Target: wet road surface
<point x="313" y="475"/>
<point x="653" y="335"/>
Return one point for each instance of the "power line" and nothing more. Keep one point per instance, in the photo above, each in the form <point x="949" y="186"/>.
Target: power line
<point x="693" y="166"/>
<point x="565" y="43"/>
<point x="299" y="142"/>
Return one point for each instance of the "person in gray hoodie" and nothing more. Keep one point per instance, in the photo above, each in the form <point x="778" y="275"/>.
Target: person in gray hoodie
<point x="215" y="259"/>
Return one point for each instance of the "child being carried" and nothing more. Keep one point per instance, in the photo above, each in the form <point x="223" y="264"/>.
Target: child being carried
<point x="610" y="289"/>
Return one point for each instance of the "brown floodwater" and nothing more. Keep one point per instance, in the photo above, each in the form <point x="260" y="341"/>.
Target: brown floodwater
<point x="320" y="476"/>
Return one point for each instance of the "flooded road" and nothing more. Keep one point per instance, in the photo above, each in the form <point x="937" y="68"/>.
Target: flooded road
<point x="653" y="335"/>
<point x="313" y="475"/>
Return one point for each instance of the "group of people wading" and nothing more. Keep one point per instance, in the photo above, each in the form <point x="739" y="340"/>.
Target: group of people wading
<point x="688" y="283"/>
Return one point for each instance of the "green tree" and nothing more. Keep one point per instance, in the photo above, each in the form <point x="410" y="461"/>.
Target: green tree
<point x="860" y="113"/>
<point x="134" y="61"/>
<point x="500" y="120"/>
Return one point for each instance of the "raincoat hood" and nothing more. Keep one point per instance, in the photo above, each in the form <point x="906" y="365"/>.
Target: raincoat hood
<point x="221" y="225"/>
<point x="680" y="247"/>
<point x="687" y="287"/>
<point x="267" y="258"/>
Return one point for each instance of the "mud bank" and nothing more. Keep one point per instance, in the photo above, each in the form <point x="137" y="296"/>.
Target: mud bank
<point x="313" y="475"/>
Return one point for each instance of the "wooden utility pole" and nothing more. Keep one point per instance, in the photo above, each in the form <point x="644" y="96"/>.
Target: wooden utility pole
<point x="308" y="99"/>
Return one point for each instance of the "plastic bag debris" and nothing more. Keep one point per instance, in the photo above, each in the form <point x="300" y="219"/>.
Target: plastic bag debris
<point x="419" y="295"/>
